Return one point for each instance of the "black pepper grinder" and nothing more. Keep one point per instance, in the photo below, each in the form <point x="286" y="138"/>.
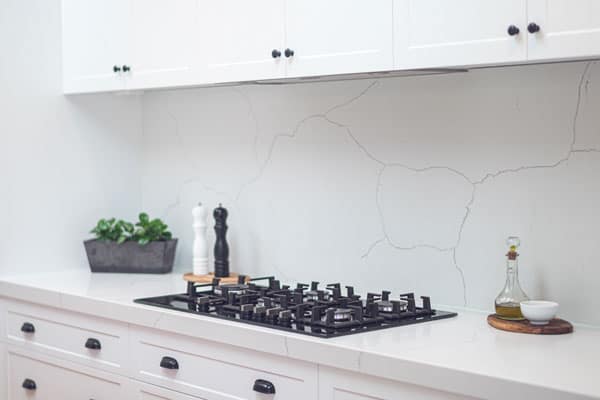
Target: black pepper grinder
<point x="221" y="246"/>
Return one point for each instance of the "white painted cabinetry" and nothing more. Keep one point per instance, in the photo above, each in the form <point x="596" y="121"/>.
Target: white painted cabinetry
<point x="144" y="391"/>
<point x="567" y="29"/>
<point x="241" y="40"/>
<point x="34" y="376"/>
<point x="162" y="50"/>
<point x="3" y="373"/>
<point x="442" y="33"/>
<point x="111" y="45"/>
<point x="336" y="384"/>
<point x="338" y="36"/>
<point x="215" y="371"/>
<point x="95" y="44"/>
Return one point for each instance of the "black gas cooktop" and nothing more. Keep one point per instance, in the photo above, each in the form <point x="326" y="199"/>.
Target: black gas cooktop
<point x="306" y="309"/>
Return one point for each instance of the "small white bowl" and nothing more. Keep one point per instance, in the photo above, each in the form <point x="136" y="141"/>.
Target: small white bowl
<point x="539" y="312"/>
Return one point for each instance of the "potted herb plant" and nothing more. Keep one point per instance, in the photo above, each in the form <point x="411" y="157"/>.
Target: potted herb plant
<point x="120" y="246"/>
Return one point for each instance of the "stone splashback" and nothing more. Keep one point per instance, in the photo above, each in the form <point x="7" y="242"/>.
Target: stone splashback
<point x="405" y="184"/>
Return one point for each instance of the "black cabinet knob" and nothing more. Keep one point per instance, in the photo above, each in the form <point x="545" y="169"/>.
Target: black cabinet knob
<point x="169" y="363"/>
<point x="275" y="53"/>
<point x="116" y="69"/>
<point x="126" y="68"/>
<point x="28" y="384"/>
<point x="262" y="386"/>
<point x="28" y="328"/>
<point x="93" y="344"/>
<point x="289" y="53"/>
<point x="533" y="28"/>
<point x="513" y="30"/>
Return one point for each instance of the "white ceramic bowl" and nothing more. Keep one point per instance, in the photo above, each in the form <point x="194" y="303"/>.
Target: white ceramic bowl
<point x="539" y="312"/>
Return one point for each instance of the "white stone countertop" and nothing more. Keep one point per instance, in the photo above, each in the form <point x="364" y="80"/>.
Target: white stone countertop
<point x="461" y="355"/>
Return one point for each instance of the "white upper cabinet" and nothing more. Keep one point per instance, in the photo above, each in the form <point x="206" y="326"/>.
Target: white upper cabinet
<point x="443" y="33"/>
<point x="567" y="29"/>
<point x="95" y="44"/>
<point x="241" y="40"/>
<point x="338" y="36"/>
<point x="162" y="50"/>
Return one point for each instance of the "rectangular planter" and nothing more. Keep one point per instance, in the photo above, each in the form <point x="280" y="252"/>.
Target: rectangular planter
<point x="130" y="257"/>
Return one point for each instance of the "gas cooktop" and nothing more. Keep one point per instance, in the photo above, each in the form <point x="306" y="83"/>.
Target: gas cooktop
<point x="305" y="309"/>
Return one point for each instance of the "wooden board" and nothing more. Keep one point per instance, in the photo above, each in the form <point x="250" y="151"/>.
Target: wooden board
<point x="232" y="278"/>
<point x="554" y="327"/>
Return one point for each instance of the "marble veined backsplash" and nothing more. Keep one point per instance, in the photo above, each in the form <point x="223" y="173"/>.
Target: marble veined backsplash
<point x="401" y="184"/>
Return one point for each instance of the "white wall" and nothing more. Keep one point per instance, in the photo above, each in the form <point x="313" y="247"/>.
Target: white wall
<point x="406" y="184"/>
<point x="64" y="162"/>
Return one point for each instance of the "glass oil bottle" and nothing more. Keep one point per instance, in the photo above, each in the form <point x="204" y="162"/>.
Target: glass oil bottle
<point x="508" y="302"/>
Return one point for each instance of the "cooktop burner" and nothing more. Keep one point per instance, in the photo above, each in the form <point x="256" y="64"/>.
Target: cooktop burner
<point x="305" y="309"/>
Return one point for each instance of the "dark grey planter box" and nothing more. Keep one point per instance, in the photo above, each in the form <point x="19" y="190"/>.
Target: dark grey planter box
<point x="130" y="257"/>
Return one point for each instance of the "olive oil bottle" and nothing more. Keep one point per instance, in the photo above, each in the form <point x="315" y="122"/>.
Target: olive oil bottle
<point x="508" y="302"/>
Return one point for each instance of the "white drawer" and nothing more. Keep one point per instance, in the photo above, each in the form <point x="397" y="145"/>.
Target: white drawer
<point x="3" y="376"/>
<point x="336" y="384"/>
<point x="213" y="371"/>
<point x="52" y="379"/>
<point x="144" y="391"/>
<point x="66" y="335"/>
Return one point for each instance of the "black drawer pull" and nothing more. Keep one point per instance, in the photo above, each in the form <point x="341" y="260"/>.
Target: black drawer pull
<point x="93" y="344"/>
<point x="28" y="384"/>
<point x="28" y="328"/>
<point x="169" y="363"/>
<point x="262" y="386"/>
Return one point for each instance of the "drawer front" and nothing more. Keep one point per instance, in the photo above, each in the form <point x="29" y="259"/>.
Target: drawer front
<point x="214" y="371"/>
<point x="336" y="384"/>
<point x="94" y="342"/>
<point x="143" y="391"/>
<point x="52" y="379"/>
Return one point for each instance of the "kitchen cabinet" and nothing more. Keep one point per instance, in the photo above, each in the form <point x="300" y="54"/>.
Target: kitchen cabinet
<point x="441" y="33"/>
<point x="162" y="48"/>
<point x="563" y="29"/>
<point x="39" y="377"/>
<point x="143" y="391"/>
<point x="338" y="37"/>
<point x="173" y="361"/>
<point x="95" y="342"/>
<point x="342" y="385"/>
<point x="95" y="44"/>
<point x="3" y="373"/>
<point x="111" y="45"/>
<point x="241" y="40"/>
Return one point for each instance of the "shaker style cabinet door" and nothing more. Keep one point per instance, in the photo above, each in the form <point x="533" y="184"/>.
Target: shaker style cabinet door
<point x="3" y="373"/>
<point x="442" y="33"/>
<point x="342" y="385"/>
<point x="338" y="36"/>
<point x="95" y="44"/>
<point x="559" y="29"/>
<point x="48" y="379"/>
<point x="163" y="37"/>
<point x="241" y="40"/>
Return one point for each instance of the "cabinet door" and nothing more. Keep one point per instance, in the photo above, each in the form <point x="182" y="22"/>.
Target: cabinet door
<point x="442" y="33"/>
<point x="162" y="35"/>
<point x="143" y="391"/>
<point x="567" y="29"/>
<point x="339" y="36"/>
<point x="95" y="40"/>
<point x="49" y="379"/>
<point x="342" y="385"/>
<point x="3" y="373"/>
<point x="236" y="39"/>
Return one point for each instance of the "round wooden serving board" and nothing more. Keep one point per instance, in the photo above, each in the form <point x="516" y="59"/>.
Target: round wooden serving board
<point x="554" y="327"/>
<point x="231" y="279"/>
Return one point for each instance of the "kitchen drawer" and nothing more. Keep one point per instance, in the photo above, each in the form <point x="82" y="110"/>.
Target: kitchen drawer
<point x="144" y="391"/>
<point x="336" y="384"/>
<point x="91" y="341"/>
<point x="214" y="371"/>
<point x="53" y="379"/>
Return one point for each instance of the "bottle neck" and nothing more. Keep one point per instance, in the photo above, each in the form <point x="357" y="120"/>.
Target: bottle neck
<point x="512" y="272"/>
